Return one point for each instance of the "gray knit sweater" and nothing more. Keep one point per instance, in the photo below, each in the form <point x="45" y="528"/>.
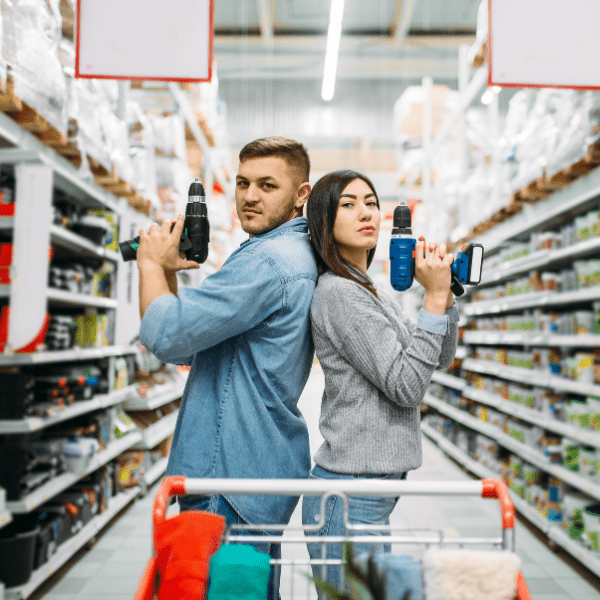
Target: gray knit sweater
<point x="377" y="365"/>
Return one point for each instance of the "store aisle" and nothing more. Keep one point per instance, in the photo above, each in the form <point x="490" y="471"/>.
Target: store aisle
<point x="113" y="567"/>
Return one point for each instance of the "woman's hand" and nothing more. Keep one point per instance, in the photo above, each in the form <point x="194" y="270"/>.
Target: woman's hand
<point x="432" y="271"/>
<point x="159" y="248"/>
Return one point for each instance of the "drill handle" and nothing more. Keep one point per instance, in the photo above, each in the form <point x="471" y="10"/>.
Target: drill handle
<point x="456" y="286"/>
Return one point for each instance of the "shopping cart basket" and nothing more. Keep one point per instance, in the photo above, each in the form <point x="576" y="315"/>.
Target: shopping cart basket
<point x="486" y="488"/>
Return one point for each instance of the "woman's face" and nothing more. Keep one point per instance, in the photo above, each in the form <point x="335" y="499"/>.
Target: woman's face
<point x="356" y="226"/>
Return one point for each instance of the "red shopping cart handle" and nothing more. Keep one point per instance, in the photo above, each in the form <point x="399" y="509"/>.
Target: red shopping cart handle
<point x="496" y="488"/>
<point x="170" y="486"/>
<point x="180" y="486"/>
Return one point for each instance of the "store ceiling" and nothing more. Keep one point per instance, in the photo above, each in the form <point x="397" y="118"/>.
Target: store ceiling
<point x="286" y="39"/>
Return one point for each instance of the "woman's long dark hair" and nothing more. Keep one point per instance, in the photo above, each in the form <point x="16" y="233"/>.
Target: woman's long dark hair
<point x="322" y="207"/>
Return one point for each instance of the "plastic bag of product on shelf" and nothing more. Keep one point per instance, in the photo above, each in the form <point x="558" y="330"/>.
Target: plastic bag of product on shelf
<point x="173" y="173"/>
<point x="38" y="75"/>
<point x="116" y="132"/>
<point x="88" y="108"/>
<point x="169" y="135"/>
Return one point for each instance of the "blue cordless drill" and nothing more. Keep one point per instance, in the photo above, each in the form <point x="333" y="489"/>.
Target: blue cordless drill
<point x="466" y="268"/>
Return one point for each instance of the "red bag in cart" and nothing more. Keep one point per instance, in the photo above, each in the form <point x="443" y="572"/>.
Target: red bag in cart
<point x="184" y="545"/>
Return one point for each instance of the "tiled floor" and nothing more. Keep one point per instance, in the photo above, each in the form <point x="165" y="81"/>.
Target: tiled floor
<point x="112" y="568"/>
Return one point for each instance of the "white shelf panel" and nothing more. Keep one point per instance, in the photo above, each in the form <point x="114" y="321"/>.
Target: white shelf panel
<point x="73" y="545"/>
<point x="155" y="434"/>
<point x="156" y="471"/>
<point x="531" y="338"/>
<point x="589" y="438"/>
<point x="66" y="176"/>
<point x="461" y="352"/>
<point x="529" y="454"/>
<point x="590" y="559"/>
<point x="78" y="408"/>
<point x="456" y="383"/>
<point x="531" y="376"/>
<point x="531" y="300"/>
<point x="62" y="482"/>
<point x="72" y="299"/>
<point x="64" y="237"/>
<point x="65" y="355"/>
<point x="538" y="259"/>
<point x="158" y="396"/>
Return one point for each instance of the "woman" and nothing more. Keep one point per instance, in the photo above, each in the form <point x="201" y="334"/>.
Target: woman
<point x="376" y="362"/>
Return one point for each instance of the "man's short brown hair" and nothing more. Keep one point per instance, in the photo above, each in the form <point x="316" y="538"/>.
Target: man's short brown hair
<point x="294" y="153"/>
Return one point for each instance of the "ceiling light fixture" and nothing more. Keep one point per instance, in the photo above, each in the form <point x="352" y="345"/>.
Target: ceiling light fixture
<point x="334" y="35"/>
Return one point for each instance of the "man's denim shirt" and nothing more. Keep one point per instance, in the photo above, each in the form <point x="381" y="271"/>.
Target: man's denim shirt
<point x="245" y="332"/>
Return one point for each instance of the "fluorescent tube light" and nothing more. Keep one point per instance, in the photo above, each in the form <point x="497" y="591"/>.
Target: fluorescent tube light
<point x="334" y="34"/>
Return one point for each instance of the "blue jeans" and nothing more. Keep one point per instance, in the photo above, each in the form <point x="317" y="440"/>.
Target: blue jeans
<point x="362" y="510"/>
<point x="219" y="506"/>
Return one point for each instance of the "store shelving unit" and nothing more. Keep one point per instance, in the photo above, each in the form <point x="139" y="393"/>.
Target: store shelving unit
<point x="62" y="482"/>
<point x="73" y="545"/>
<point x="155" y="434"/>
<point x="57" y="356"/>
<point x="580" y="196"/>
<point x="531" y="376"/>
<point x="158" y="396"/>
<point x="36" y="188"/>
<point x="99" y="401"/>
<point x="554" y="532"/>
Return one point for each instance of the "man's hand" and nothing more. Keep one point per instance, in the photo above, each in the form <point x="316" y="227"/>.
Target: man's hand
<point x="159" y="247"/>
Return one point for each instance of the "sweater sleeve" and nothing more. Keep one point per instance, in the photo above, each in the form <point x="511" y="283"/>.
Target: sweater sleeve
<point x="450" y="340"/>
<point x="362" y="333"/>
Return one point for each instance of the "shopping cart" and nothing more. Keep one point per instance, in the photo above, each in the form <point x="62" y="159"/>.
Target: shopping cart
<point x="486" y="488"/>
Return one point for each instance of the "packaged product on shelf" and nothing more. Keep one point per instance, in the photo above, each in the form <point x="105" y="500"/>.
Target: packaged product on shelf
<point x="553" y="405"/>
<point x="90" y="104"/>
<point x="547" y="240"/>
<point x="35" y="68"/>
<point x="589" y="465"/>
<point x="520" y="285"/>
<point x="518" y="485"/>
<point x="580" y="367"/>
<point x="574" y="503"/>
<point x="576" y="411"/>
<point x="525" y="433"/>
<point x="130" y="469"/>
<point x="520" y="323"/>
<point x="519" y="358"/>
<point x="546" y="359"/>
<point x="93" y="330"/>
<point x="117" y="132"/>
<point x="591" y="527"/>
<point x="78" y="453"/>
<point x="121" y="422"/>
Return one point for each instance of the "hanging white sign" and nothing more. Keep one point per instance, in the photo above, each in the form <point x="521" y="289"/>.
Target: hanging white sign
<point x="144" y="39"/>
<point x="543" y="43"/>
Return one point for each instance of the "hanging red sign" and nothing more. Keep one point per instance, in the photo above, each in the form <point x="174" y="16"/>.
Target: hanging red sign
<point x="543" y="43"/>
<point x="144" y="40"/>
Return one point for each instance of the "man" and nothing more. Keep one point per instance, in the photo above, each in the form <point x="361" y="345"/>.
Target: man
<point x="245" y="332"/>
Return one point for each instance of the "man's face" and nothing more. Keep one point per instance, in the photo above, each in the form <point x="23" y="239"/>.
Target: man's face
<point x="266" y="192"/>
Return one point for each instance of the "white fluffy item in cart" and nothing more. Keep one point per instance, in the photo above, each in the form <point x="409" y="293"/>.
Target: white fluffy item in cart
<point x="469" y="574"/>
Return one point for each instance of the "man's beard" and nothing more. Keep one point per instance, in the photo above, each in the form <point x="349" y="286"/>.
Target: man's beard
<point x="274" y="221"/>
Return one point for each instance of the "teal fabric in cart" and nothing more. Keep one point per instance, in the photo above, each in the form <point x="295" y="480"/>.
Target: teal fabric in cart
<point x="238" y="572"/>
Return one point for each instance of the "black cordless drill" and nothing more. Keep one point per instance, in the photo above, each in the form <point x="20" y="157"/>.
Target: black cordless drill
<point x="196" y="229"/>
